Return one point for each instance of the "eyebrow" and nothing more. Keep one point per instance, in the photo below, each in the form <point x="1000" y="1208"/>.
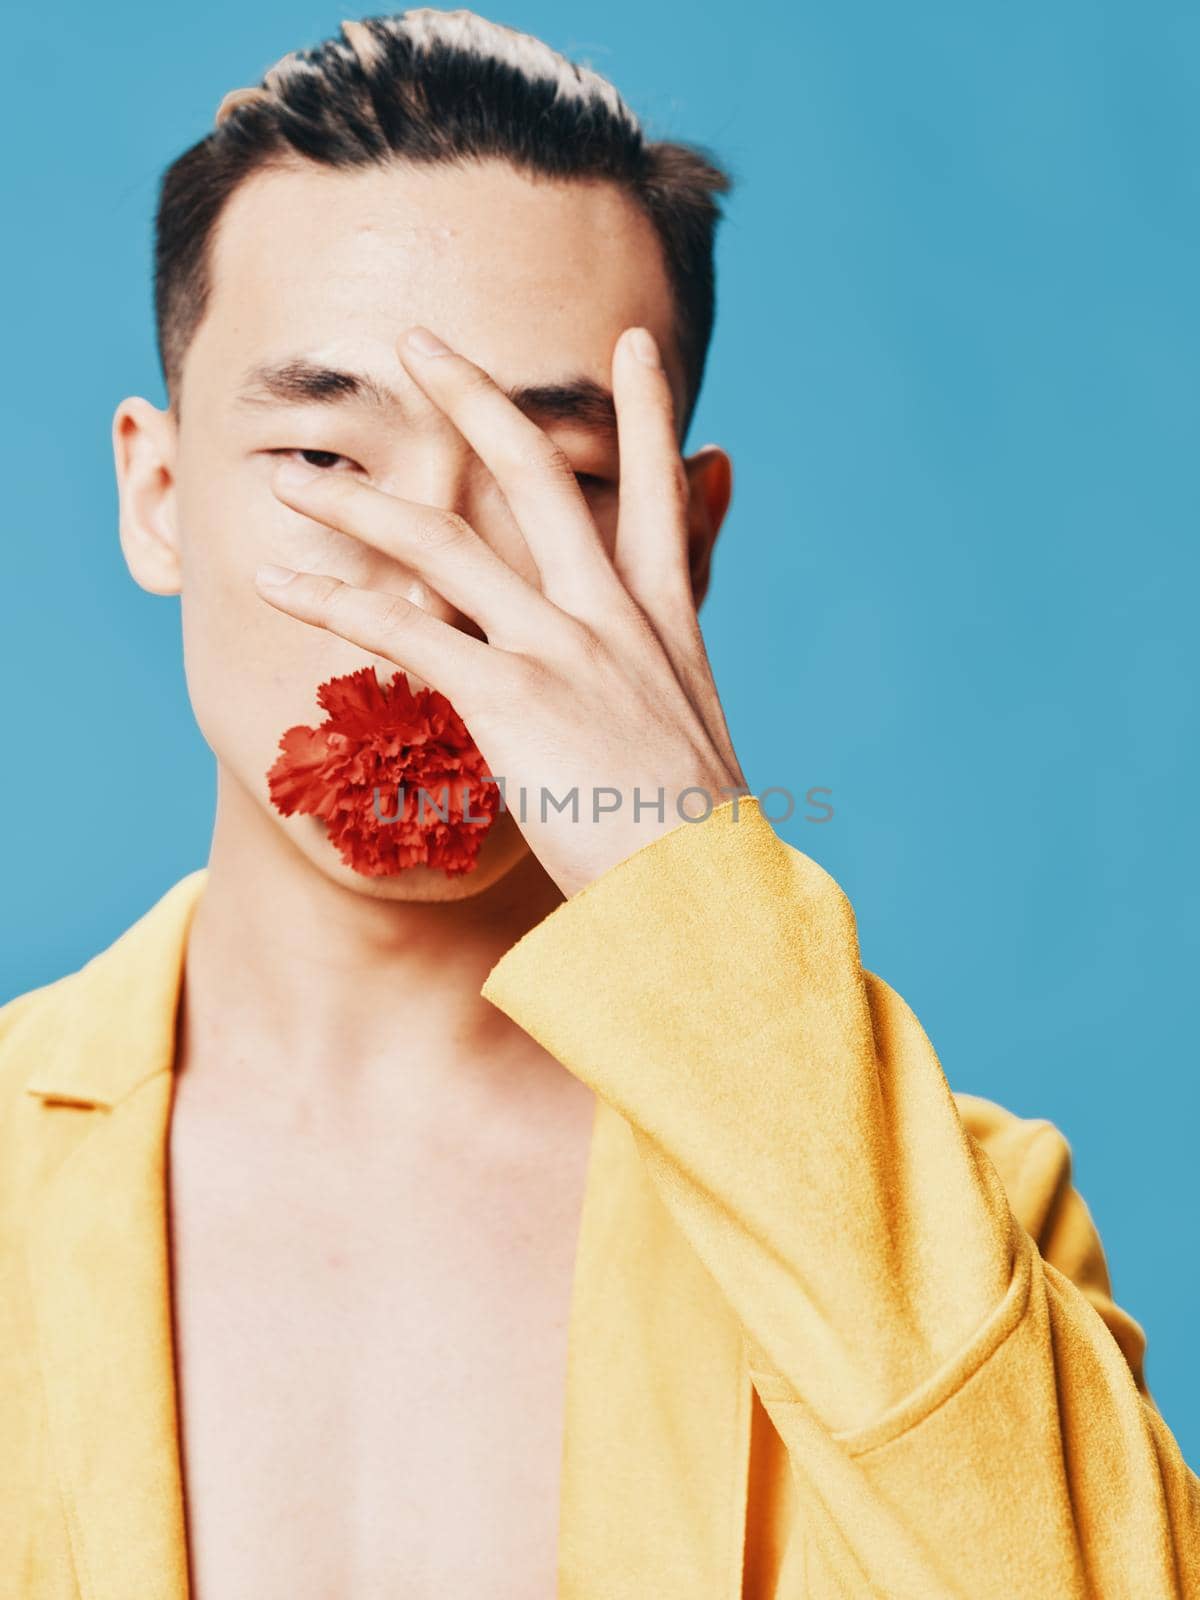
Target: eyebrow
<point x="298" y="381"/>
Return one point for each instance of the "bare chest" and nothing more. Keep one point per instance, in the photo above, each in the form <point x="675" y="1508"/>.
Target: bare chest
<point x="371" y="1365"/>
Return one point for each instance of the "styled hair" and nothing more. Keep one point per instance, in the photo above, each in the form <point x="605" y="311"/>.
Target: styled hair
<point x="436" y="87"/>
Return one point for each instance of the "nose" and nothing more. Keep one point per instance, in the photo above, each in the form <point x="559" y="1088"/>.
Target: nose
<point x="439" y="475"/>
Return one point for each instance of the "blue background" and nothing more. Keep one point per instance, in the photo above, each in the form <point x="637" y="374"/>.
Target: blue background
<point x="956" y="366"/>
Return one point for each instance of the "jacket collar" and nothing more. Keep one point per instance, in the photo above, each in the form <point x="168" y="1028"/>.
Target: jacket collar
<point x="114" y="1021"/>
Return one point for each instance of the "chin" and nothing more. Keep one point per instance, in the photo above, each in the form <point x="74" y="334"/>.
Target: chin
<point x="502" y="849"/>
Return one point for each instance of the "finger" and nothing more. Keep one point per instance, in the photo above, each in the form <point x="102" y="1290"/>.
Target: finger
<point x="388" y="625"/>
<point x="533" y="473"/>
<point x="438" y="545"/>
<point x="651" y="555"/>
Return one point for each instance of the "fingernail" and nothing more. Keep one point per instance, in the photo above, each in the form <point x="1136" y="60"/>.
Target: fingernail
<point x="426" y="343"/>
<point x="644" y="346"/>
<point x="272" y="575"/>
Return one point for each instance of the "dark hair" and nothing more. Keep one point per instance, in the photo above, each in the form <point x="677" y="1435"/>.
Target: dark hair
<point x="432" y="87"/>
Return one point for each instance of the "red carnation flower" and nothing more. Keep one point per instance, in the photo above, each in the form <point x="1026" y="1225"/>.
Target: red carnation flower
<point x="380" y="746"/>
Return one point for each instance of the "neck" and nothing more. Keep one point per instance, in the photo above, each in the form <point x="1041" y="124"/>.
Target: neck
<point x="290" y="973"/>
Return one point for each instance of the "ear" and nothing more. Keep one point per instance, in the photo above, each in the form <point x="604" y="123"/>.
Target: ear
<point x="144" y="455"/>
<point x="710" y="483"/>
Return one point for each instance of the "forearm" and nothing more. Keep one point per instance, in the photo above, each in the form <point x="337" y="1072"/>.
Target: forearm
<point x="788" y="1103"/>
<point x="951" y="1402"/>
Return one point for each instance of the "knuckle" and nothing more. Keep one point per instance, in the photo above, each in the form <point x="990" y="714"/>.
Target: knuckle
<point x="335" y="599"/>
<point x="543" y="458"/>
<point x="511" y="678"/>
<point x="440" y="530"/>
<point x="395" y="612"/>
<point x="532" y="679"/>
<point x="530" y="670"/>
<point x="589" y="643"/>
<point x="562" y="473"/>
<point x="556" y="462"/>
<point x="640" y="631"/>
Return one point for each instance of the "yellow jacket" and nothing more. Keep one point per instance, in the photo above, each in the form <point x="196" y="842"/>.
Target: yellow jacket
<point x="835" y="1331"/>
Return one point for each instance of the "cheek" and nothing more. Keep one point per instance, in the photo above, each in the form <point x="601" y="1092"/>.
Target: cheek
<point x="251" y="670"/>
<point x="225" y="537"/>
<point x="239" y="523"/>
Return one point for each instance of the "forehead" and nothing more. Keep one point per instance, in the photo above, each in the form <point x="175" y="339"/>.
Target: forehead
<point x="528" y="277"/>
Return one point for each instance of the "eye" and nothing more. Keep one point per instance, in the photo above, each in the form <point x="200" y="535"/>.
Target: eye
<point x="590" y="480"/>
<point x="313" y="458"/>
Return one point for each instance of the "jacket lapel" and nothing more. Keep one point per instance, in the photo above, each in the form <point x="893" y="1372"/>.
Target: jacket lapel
<point x="658" y="1401"/>
<point x="98" y="1261"/>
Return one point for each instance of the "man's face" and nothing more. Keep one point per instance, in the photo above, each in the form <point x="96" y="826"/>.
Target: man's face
<point x="532" y="280"/>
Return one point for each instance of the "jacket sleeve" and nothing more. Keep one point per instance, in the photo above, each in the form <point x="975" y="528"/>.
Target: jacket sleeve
<point x="962" y="1416"/>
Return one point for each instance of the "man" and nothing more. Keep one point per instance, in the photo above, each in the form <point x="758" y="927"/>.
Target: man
<point x="321" y="1275"/>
